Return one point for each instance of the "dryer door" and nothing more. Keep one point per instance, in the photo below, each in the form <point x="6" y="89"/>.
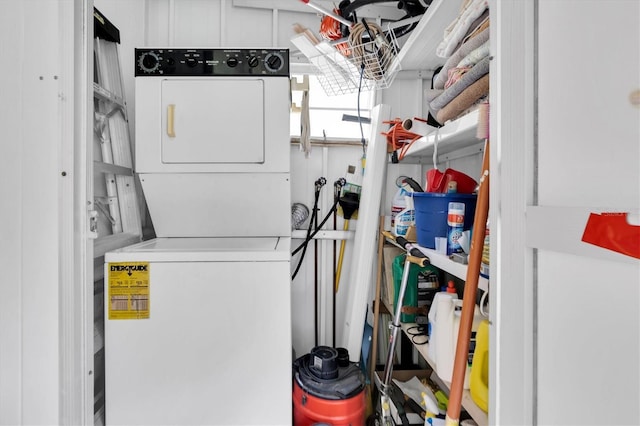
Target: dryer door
<point x="210" y="120"/>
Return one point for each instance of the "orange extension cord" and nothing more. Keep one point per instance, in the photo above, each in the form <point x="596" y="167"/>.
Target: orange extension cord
<point x="330" y="30"/>
<point x="400" y="139"/>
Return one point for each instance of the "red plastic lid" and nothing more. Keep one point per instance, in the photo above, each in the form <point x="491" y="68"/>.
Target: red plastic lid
<point x="451" y="287"/>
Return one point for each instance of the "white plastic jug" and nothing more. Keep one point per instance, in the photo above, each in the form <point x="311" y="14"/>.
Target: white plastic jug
<point x="441" y="298"/>
<point x="447" y="326"/>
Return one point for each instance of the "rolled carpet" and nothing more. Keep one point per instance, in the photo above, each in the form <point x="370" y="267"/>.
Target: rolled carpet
<point x="464" y="100"/>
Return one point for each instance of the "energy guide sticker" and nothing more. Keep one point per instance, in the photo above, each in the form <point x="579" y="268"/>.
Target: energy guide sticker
<point x="128" y="290"/>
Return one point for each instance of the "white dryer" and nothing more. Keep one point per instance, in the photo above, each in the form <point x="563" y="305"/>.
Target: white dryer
<point x="212" y="144"/>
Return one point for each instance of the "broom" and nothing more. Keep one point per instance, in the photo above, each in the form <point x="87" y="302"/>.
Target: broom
<point x="473" y="272"/>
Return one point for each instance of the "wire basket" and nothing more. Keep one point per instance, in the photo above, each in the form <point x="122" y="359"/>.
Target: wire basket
<point x="348" y="67"/>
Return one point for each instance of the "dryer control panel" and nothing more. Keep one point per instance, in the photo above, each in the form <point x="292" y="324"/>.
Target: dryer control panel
<point x="211" y="62"/>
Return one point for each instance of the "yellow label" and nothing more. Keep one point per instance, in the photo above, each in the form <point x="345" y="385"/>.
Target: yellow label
<point x="128" y="290"/>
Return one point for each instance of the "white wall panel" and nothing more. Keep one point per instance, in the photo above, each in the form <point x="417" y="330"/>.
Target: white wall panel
<point x="590" y="129"/>
<point x="245" y="27"/>
<point x="158" y="19"/>
<point x="40" y="162"/>
<point x="331" y="164"/>
<point x="29" y="337"/>
<point x="589" y="328"/>
<point x="11" y="250"/>
<point x="197" y="23"/>
<point x="588" y="331"/>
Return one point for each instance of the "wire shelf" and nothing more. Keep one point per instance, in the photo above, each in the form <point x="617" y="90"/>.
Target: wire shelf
<point x="345" y="67"/>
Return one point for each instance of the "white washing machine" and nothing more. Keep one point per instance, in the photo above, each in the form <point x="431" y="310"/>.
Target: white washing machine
<point x="209" y="343"/>
<point x="198" y="320"/>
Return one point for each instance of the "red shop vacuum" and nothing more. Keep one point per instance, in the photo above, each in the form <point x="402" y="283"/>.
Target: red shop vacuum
<point x="328" y="389"/>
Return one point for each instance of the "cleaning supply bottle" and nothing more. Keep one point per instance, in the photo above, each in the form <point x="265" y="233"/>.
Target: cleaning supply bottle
<point x="455" y="222"/>
<point x="398" y="204"/>
<point x="479" y="380"/>
<point x="446" y="297"/>
<point x="430" y="404"/>
<point x="477" y="319"/>
<point x="484" y="265"/>
<point x="404" y="219"/>
<point x="447" y="326"/>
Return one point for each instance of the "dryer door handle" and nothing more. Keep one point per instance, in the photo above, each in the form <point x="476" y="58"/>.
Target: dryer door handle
<point x="171" y="109"/>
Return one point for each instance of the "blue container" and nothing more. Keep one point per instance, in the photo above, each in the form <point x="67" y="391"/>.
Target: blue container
<point x="431" y="214"/>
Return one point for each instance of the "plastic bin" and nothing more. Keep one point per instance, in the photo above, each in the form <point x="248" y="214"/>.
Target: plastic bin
<point x="431" y="214"/>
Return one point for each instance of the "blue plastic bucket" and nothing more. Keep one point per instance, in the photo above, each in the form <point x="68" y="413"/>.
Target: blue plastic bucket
<point x="431" y="214"/>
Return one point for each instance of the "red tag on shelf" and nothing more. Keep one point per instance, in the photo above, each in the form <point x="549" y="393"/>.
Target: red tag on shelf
<point x="613" y="231"/>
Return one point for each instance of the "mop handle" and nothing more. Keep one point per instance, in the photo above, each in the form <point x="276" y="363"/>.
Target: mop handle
<point x="469" y="297"/>
<point x="412" y="250"/>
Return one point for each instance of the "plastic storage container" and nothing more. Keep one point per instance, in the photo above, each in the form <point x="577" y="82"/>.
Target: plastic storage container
<point x="431" y="215"/>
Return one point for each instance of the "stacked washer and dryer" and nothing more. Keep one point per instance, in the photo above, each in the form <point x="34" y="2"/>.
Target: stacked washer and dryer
<point x="198" y="320"/>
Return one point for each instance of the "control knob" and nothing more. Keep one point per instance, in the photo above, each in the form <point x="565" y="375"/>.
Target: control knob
<point x="232" y="62"/>
<point x="149" y="62"/>
<point x="253" y="62"/>
<point x="273" y="62"/>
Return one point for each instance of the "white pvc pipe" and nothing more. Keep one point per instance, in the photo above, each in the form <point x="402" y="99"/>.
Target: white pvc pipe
<point x="328" y="13"/>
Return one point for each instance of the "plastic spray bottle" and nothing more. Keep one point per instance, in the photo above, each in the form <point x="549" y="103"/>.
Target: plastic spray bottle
<point x="405" y="218"/>
<point x="398" y="204"/>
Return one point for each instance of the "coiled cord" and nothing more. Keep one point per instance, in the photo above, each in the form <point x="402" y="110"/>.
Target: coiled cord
<point x="399" y="138"/>
<point x="330" y="30"/>
<point x="370" y="48"/>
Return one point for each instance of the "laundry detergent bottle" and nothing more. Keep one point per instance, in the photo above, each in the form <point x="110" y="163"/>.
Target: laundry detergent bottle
<point x="398" y="204"/>
<point x="446" y="297"/>
<point x="404" y="219"/>
<point x="447" y="326"/>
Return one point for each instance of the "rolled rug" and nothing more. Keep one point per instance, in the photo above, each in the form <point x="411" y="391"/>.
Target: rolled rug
<point x="470" y="77"/>
<point x="458" y="55"/>
<point x="464" y="100"/>
<point x="461" y="28"/>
